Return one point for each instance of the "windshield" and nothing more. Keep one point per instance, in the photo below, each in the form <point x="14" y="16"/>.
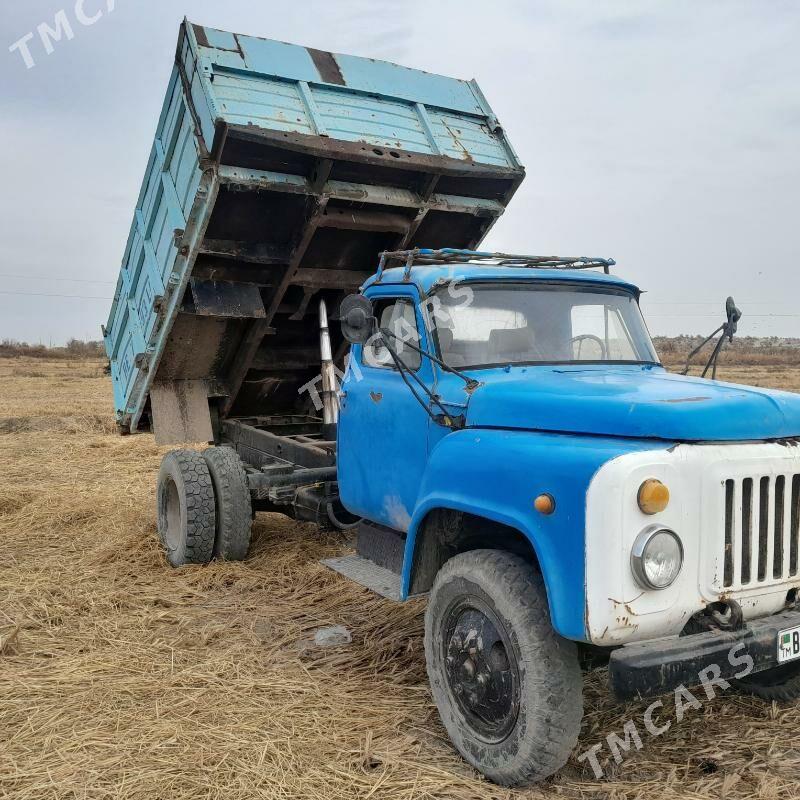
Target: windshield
<point x="549" y="323"/>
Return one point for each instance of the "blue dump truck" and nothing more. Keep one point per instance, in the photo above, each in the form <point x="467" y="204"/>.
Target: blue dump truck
<point x="301" y="289"/>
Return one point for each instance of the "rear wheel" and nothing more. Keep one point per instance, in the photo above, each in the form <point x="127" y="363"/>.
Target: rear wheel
<point x="508" y="688"/>
<point x="778" y="683"/>
<point x="234" y="509"/>
<point x="185" y="508"/>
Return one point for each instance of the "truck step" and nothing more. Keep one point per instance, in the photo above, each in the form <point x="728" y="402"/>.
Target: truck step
<point x="368" y="574"/>
<point x="383" y="546"/>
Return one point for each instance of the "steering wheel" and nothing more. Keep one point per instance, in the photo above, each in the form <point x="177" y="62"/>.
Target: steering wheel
<point x="579" y="340"/>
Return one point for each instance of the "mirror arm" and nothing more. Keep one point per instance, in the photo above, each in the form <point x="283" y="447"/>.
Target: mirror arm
<point x="471" y="383"/>
<point x="725" y="331"/>
<point x="699" y="348"/>
<point x="712" y="362"/>
<point x="448" y="420"/>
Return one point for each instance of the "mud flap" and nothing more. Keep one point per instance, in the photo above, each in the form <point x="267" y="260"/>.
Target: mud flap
<point x="180" y="412"/>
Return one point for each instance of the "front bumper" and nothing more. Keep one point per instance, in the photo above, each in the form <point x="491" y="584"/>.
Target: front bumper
<point x="652" y="668"/>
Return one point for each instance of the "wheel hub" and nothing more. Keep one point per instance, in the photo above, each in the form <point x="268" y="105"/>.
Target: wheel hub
<point x="481" y="669"/>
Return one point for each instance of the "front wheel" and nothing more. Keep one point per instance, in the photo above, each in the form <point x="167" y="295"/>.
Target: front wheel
<point x="508" y="688"/>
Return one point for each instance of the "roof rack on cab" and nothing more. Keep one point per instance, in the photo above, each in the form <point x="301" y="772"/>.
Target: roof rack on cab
<point x="423" y="256"/>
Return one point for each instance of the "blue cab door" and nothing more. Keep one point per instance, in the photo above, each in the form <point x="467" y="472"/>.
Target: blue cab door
<point x="383" y="430"/>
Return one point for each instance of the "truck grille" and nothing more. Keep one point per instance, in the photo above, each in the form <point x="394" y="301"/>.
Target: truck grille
<point x="762" y="529"/>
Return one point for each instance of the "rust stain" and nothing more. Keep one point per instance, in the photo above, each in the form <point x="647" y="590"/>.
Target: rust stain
<point x="327" y="66"/>
<point x="457" y="141"/>
<point x="626" y="603"/>
<point x="239" y="47"/>
<point x="471" y="387"/>
<point x="376" y="397"/>
<point x="200" y="35"/>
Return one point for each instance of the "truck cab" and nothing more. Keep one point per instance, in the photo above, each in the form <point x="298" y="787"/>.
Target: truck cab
<point x="512" y="412"/>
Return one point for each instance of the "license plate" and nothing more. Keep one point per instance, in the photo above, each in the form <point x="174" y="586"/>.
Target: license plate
<point x="789" y="644"/>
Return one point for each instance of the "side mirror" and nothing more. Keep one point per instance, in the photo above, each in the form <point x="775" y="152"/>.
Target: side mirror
<point x="734" y="315"/>
<point x="358" y="323"/>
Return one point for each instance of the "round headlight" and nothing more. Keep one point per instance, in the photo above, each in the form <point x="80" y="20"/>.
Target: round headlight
<point x="657" y="557"/>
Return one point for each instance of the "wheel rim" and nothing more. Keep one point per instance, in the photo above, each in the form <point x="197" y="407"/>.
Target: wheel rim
<point x="481" y="669"/>
<point x="172" y="506"/>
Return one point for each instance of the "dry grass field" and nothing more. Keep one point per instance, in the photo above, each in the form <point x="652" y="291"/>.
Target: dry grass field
<point x="123" y="678"/>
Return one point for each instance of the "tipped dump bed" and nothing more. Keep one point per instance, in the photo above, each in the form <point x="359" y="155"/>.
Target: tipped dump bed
<point x="277" y="175"/>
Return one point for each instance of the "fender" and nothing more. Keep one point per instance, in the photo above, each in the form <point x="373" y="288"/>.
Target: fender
<point x="497" y="474"/>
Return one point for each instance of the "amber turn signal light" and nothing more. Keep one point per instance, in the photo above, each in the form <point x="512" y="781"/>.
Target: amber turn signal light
<point x="653" y="496"/>
<point x="545" y="504"/>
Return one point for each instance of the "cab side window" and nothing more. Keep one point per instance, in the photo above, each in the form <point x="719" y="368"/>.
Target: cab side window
<point x="397" y="315"/>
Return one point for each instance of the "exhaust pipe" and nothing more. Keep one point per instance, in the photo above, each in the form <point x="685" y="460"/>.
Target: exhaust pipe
<point x="330" y="401"/>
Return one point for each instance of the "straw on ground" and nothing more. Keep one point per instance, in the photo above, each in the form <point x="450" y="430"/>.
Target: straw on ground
<point x="123" y="678"/>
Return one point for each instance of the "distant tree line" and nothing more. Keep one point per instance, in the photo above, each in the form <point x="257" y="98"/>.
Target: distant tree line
<point x="744" y="350"/>
<point x="74" y="348"/>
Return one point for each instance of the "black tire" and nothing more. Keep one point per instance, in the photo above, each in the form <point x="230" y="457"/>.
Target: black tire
<point x="779" y="683"/>
<point x="234" y="508"/>
<point x="538" y="671"/>
<point x="185" y="508"/>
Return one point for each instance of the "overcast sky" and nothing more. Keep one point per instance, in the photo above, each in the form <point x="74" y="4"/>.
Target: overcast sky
<point x="664" y="134"/>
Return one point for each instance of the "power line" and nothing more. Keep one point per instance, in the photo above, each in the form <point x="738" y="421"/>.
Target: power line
<point x="748" y="316"/>
<point x="51" y="278"/>
<point x="73" y="296"/>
